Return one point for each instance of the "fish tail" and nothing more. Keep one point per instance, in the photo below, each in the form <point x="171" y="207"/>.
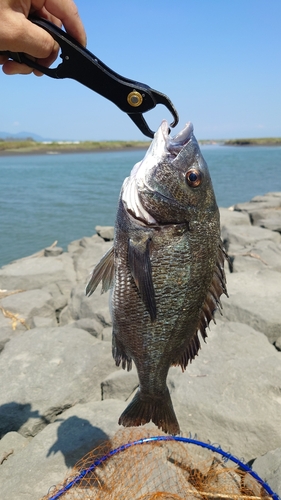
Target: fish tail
<point x="144" y="408"/>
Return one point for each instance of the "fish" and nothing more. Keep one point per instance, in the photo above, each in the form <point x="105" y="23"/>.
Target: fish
<point x="165" y="270"/>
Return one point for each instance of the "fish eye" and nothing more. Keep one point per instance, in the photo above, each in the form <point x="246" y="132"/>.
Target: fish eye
<point x="193" y="177"/>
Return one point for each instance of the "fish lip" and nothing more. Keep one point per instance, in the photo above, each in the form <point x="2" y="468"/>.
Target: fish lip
<point x="174" y="144"/>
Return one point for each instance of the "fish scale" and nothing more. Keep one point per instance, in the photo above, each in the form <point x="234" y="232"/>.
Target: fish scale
<point x="166" y="270"/>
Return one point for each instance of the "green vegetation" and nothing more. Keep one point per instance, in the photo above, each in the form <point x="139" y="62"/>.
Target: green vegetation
<point x="265" y="141"/>
<point x="30" y="146"/>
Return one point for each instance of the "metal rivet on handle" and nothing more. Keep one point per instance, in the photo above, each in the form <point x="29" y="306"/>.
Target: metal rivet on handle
<point x="134" y="99"/>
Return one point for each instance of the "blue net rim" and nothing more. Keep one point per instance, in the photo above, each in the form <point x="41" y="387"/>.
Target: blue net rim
<point x="123" y="447"/>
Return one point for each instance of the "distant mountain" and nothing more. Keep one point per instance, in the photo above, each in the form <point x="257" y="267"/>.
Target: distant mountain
<point x="23" y="135"/>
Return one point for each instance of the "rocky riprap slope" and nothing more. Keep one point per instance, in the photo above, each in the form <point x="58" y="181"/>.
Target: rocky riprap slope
<point x="61" y="393"/>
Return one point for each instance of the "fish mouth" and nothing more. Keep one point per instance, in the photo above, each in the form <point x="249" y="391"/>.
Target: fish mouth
<point x="162" y="147"/>
<point x="175" y="144"/>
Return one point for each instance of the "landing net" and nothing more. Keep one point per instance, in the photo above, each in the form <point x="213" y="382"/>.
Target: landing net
<point x="160" y="468"/>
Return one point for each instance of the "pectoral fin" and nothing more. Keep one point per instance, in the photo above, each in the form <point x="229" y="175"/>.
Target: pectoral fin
<point x="140" y="266"/>
<point x="104" y="271"/>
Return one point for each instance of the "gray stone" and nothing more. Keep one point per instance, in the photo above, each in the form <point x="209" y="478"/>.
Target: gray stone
<point x="105" y="232"/>
<point x="31" y="303"/>
<point x="9" y="323"/>
<point x="60" y="300"/>
<point x="120" y="384"/>
<point x="41" y="322"/>
<point x="85" y="260"/>
<point x="267" y="201"/>
<point x="264" y="211"/>
<point x="230" y="217"/>
<point x="53" y="251"/>
<point x="11" y="444"/>
<point x="254" y="299"/>
<point x="268" y="467"/>
<point x="107" y="333"/>
<point x="247" y="235"/>
<point x="262" y="255"/>
<point x="91" y="325"/>
<point x="51" y="455"/>
<point x="37" y="272"/>
<point x="271" y="221"/>
<point x="46" y="370"/>
<point x="278" y="344"/>
<point x="96" y="306"/>
<point x="230" y="394"/>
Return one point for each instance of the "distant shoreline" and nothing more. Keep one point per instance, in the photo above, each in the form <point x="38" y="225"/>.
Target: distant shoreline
<point x="55" y="152"/>
<point x="28" y="147"/>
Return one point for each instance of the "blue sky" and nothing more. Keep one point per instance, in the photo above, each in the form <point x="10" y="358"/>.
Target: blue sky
<point x="219" y="61"/>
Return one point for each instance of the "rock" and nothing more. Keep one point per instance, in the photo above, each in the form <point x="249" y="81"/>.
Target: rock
<point x="247" y="235"/>
<point x="254" y="299"/>
<point x="230" y="217"/>
<point x="278" y="344"/>
<point x="105" y="232"/>
<point x="88" y="255"/>
<point x="268" y="467"/>
<point x="41" y="322"/>
<point x="47" y="459"/>
<point x="91" y="325"/>
<point x="37" y="272"/>
<point x="47" y="370"/>
<point x="53" y="251"/>
<point x="107" y="334"/>
<point x="11" y="444"/>
<point x="262" y="255"/>
<point x="266" y="201"/>
<point x="230" y="394"/>
<point x="9" y="323"/>
<point x="264" y="211"/>
<point x="31" y="303"/>
<point x="96" y="306"/>
<point x="272" y="222"/>
<point x="120" y="384"/>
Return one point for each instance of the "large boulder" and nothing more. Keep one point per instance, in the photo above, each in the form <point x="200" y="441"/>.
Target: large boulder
<point x="30" y="472"/>
<point x="80" y="307"/>
<point x="264" y="254"/>
<point x="264" y="211"/>
<point x="86" y="253"/>
<point x="268" y="467"/>
<point x="37" y="272"/>
<point x="44" y="371"/>
<point x="27" y="305"/>
<point x="230" y="394"/>
<point x="254" y="299"/>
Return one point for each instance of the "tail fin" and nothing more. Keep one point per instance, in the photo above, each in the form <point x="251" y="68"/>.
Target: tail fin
<point x="142" y="409"/>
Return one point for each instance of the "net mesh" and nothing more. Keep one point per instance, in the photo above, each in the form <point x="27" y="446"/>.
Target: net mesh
<point x="155" y="470"/>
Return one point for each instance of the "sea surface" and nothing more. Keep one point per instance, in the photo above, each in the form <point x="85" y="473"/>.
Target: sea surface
<point x="63" y="197"/>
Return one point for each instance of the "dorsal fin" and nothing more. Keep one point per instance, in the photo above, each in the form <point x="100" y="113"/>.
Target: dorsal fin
<point x="211" y="304"/>
<point x="104" y="271"/>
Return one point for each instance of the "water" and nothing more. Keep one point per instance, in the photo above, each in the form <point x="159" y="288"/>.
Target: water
<point x="63" y="197"/>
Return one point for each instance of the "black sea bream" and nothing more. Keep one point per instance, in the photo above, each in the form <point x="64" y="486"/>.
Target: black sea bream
<point x="166" y="268"/>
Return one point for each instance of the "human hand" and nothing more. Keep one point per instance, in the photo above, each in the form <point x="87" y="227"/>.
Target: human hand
<point x="18" y="34"/>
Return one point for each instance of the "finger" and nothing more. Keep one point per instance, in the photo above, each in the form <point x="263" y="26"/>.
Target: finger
<point x="67" y="12"/>
<point x="14" y="68"/>
<point x="3" y="59"/>
<point x="25" y="36"/>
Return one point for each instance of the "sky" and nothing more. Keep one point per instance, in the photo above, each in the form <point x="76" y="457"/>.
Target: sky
<point x="219" y="61"/>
